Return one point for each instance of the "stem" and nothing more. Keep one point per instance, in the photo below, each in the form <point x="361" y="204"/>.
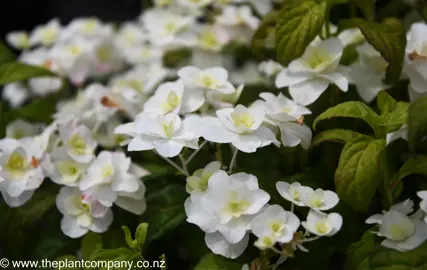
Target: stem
<point x="218" y="154"/>
<point x="96" y="127"/>
<point x="184" y="164"/>
<point x="195" y="152"/>
<point x="173" y="164"/>
<point x="311" y="239"/>
<point x="233" y="160"/>
<point x="292" y="207"/>
<point x="327" y="24"/>
<point x="279" y="262"/>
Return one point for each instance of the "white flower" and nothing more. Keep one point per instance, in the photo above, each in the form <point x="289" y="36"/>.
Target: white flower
<point x="309" y="76"/>
<point x="19" y="129"/>
<point x="416" y="60"/>
<point x="107" y="175"/>
<point x="89" y="28"/>
<point x="212" y="38"/>
<point x="129" y="35"/>
<point x="62" y="169"/>
<point x="221" y="101"/>
<point x="368" y="72"/>
<point x="170" y="97"/>
<point x="239" y="126"/>
<point x="168" y="134"/>
<point x="46" y="35"/>
<point x="215" y="78"/>
<point x="78" y="141"/>
<point x="194" y="3"/>
<point x="319" y="199"/>
<point x="406" y="207"/>
<point x="351" y="36"/>
<point x="322" y="224"/>
<point x="401" y="133"/>
<point x="423" y="203"/>
<point x="292" y="192"/>
<point x="133" y="202"/>
<point x="238" y="16"/>
<point x="274" y="225"/>
<point x="20" y="173"/>
<point x="81" y="213"/>
<point x="15" y="93"/>
<point x="270" y="68"/>
<point x="225" y="211"/>
<point x="18" y="40"/>
<point x="198" y="182"/>
<point x="289" y="117"/>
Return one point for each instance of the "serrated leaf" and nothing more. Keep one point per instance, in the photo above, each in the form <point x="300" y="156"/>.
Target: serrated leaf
<point x="66" y="262"/>
<point x="91" y="242"/>
<point x="389" y="39"/>
<point x="216" y="262"/>
<point x="352" y="109"/>
<point x="414" y="165"/>
<point x="298" y="24"/>
<point x="6" y="55"/>
<point x="141" y="234"/>
<point x="385" y="102"/>
<point x="334" y="135"/>
<point x="17" y="71"/>
<point x="128" y="236"/>
<point x="367" y="7"/>
<point x="388" y="259"/>
<point x="357" y="252"/>
<point x="417" y="122"/>
<point x="359" y="172"/>
<point x="165" y="210"/>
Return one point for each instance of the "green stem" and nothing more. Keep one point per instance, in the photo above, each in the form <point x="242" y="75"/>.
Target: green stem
<point x="176" y="166"/>
<point x="233" y="160"/>
<point x="184" y="164"/>
<point x="195" y="152"/>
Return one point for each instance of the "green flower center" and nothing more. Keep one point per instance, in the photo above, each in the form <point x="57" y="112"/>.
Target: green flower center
<point x="78" y="145"/>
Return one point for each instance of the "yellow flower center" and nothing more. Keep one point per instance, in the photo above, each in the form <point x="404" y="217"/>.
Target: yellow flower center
<point x="171" y="27"/>
<point x="322" y="226"/>
<point x="67" y="167"/>
<point x="319" y="58"/>
<point x="168" y="129"/>
<point x="74" y="50"/>
<point x="16" y="162"/>
<point x="107" y="171"/>
<point x="208" y="40"/>
<point x="400" y="232"/>
<point x="104" y="54"/>
<point x="48" y="35"/>
<point x="286" y="110"/>
<point x="317" y="202"/>
<point x="78" y="145"/>
<point x="295" y="194"/>
<point x="242" y="120"/>
<point x="172" y="101"/>
<point x="208" y="82"/>
<point x="267" y="241"/>
<point x="90" y="26"/>
<point x="277" y="227"/>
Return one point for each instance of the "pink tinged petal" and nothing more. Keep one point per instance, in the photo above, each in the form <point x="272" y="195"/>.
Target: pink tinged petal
<point x="100" y="225"/>
<point x="140" y="143"/>
<point x="125" y="182"/>
<point x="233" y="231"/>
<point x="286" y="78"/>
<point x="17" y="201"/>
<point x="338" y="79"/>
<point x="136" y="207"/>
<point x="217" y="243"/>
<point x="98" y="210"/>
<point x="71" y="229"/>
<point x="168" y="148"/>
<point x="309" y="91"/>
<point x="214" y="131"/>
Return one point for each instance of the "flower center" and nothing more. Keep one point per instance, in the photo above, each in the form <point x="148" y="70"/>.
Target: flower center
<point x="277" y="227"/>
<point x="208" y="40"/>
<point x="400" y="232"/>
<point x="18" y="134"/>
<point x="242" y="120"/>
<point x="74" y="50"/>
<point x="48" y="35"/>
<point x="104" y="54"/>
<point x="286" y="110"/>
<point x="107" y="171"/>
<point x="295" y="194"/>
<point x="317" y="201"/>
<point x="68" y="168"/>
<point x="78" y="145"/>
<point x="172" y="101"/>
<point x="168" y="129"/>
<point x="208" y="81"/>
<point x="322" y="226"/>
<point x="16" y="162"/>
<point x="318" y="58"/>
<point x="171" y="27"/>
<point x="267" y="241"/>
<point x="90" y="26"/>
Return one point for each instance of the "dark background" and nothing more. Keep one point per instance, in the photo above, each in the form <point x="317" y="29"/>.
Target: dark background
<point x="26" y="14"/>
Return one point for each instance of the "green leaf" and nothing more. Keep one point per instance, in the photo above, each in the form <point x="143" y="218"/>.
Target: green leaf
<point x="91" y="242"/>
<point x="141" y="234"/>
<point x="338" y="2"/>
<point x="358" y="251"/>
<point x="385" y="102"/>
<point x="165" y="210"/>
<point x="216" y="262"/>
<point x="414" y="165"/>
<point x="6" y="55"/>
<point x="17" y="71"/>
<point x="417" y="122"/>
<point x="114" y="258"/>
<point x="65" y="262"/>
<point x="299" y="23"/>
<point x="334" y="135"/>
<point x="389" y="39"/>
<point x="367" y="7"/>
<point x="359" y="172"/>
<point x="260" y="39"/>
<point x="388" y="259"/>
<point x="39" y="110"/>
<point x="352" y="109"/>
<point x="128" y="236"/>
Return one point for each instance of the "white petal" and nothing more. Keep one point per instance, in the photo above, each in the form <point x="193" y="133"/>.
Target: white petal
<point x="375" y="219"/>
<point x="293" y="134"/>
<point x="192" y="100"/>
<point x="217" y="243"/>
<point x="71" y="229"/>
<point x="338" y="79"/>
<point x="168" y="148"/>
<point x="100" y="225"/>
<point x="214" y="131"/>
<point x="125" y="183"/>
<point x="200" y="215"/>
<point x="233" y="231"/>
<point x="140" y="143"/>
<point x="286" y="78"/>
<point x="308" y="92"/>
<point x="136" y="207"/>
<point x="19" y="200"/>
<point x="417" y="238"/>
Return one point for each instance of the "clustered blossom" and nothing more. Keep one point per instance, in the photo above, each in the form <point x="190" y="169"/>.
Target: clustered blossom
<point x="148" y="106"/>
